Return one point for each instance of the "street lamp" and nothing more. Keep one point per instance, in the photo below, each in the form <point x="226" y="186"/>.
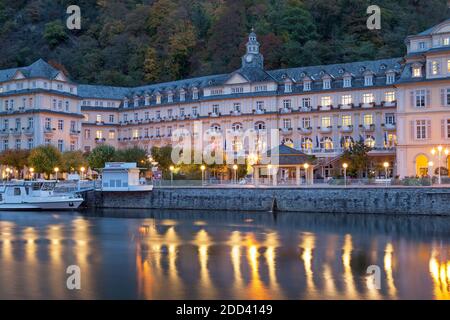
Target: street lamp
<point x="8" y="171"/>
<point x="171" y="168"/>
<point x="386" y="166"/>
<point x="203" y="168"/>
<point x="82" y="169"/>
<point x="31" y="173"/>
<point x="235" y="167"/>
<point x="269" y="169"/>
<point x="439" y="152"/>
<point x="345" y="166"/>
<point x="306" y="166"/>
<point x="56" y="169"/>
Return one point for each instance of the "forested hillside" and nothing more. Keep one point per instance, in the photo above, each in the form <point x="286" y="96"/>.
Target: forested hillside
<point x="130" y="42"/>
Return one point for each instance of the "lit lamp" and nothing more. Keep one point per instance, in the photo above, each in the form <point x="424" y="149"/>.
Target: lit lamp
<point x="31" y="173"/>
<point x="8" y="172"/>
<point x="235" y="167"/>
<point x="386" y="166"/>
<point x="203" y="168"/>
<point x="82" y="169"/>
<point x="56" y="169"/>
<point x="345" y="166"/>
<point x="171" y="168"/>
<point x="306" y="166"/>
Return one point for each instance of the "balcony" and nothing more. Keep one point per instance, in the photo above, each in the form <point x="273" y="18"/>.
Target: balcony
<point x="100" y="140"/>
<point x="346" y="129"/>
<point x="213" y="114"/>
<point x="389" y="126"/>
<point x="74" y="132"/>
<point x="367" y="127"/>
<point x="285" y="110"/>
<point x="194" y="116"/>
<point x="389" y="103"/>
<point x="259" y="111"/>
<point x="305" y="131"/>
<point x="368" y="105"/>
<point x="235" y="112"/>
<point x="324" y="108"/>
<point x="325" y="129"/>
<point x="347" y="106"/>
<point x="49" y="130"/>
<point x="16" y="131"/>
<point x="286" y="131"/>
<point x="4" y="132"/>
<point x="305" y="109"/>
<point x="28" y="131"/>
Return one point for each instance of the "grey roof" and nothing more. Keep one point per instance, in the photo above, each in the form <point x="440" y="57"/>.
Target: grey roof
<point x="102" y="92"/>
<point x="288" y="155"/>
<point x="38" y="69"/>
<point x="430" y="30"/>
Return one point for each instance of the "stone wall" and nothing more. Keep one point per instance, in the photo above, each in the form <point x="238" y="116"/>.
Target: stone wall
<point x="405" y="200"/>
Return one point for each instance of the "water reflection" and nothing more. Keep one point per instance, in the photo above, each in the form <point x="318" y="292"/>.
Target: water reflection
<point x="223" y="256"/>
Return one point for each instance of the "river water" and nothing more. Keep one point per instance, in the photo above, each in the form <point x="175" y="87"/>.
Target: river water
<point x="140" y="254"/>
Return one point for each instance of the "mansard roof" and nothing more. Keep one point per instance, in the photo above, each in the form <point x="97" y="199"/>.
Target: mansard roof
<point x="102" y="92"/>
<point x="431" y="30"/>
<point x="38" y="69"/>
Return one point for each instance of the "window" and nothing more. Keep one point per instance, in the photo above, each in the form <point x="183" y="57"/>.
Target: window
<point x="287" y="104"/>
<point x="30" y="143"/>
<point x="170" y="98"/>
<point x="346" y="120"/>
<point x="420" y="96"/>
<point x="30" y="123"/>
<point x="390" y="78"/>
<point x="98" y="118"/>
<point x="48" y="123"/>
<point x="261" y="88"/>
<point x="346" y="99"/>
<point x="61" y="125"/>
<point x="422" y="45"/>
<point x="446" y="41"/>
<point x="158" y="114"/>
<point x="368" y="119"/>
<point x="18" y="144"/>
<point x="259" y="105"/>
<point x="182" y="96"/>
<point x="98" y="134"/>
<point x="326" y="84"/>
<point x="237" y="107"/>
<point x="5" y="144"/>
<point x="435" y="68"/>
<point x="325" y="122"/>
<point x="421" y="129"/>
<point x="60" y="105"/>
<point x="368" y="98"/>
<point x="306" y="102"/>
<point x="72" y="126"/>
<point x="307" y="143"/>
<point x="54" y="104"/>
<point x="18" y="123"/>
<point x="5" y="124"/>
<point x="389" y="118"/>
<point x="287" y="124"/>
<point x="67" y="105"/>
<point x="325" y="101"/>
<point x="194" y="111"/>
<point x="215" y="109"/>
<point x="326" y="143"/>
<point x="288" y="87"/>
<point x="158" y="99"/>
<point x="369" y="141"/>
<point x="61" y="145"/>
<point x="181" y="112"/>
<point x="48" y="142"/>
<point x="368" y="80"/>
<point x="260" y="125"/>
<point x="417" y="71"/>
<point x="87" y="134"/>
<point x="111" y="118"/>
<point x="306" y="123"/>
<point x="59" y="86"/>
<point x="237" y="90"/>
<point x="111" y="134"/>
<point x="347" y="82"/>
<point x="448" y="128"/>
<point x="236" y="126"/>
<point x="147" y="115"/>
<point x="389" y="96"/>
<point x="307" y="86"/>
<point x="72" y="145"/>
<point x="135" y="133"/>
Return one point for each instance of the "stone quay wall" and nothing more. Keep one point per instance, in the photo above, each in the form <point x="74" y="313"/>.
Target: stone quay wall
<point x="376" y="200"/>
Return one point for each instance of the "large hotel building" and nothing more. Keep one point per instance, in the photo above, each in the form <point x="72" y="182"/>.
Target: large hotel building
<point x="400" y="107"/>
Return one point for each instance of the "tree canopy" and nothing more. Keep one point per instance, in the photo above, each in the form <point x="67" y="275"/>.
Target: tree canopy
<point x="132" y="42"/>
<point x="45" y="158"/>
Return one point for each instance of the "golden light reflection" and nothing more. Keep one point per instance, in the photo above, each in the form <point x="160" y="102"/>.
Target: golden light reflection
<point x="307" y="245"/>
<point x="440" y="273"/>
<point x="272" y="243"/>
<point x="388" y="252"/>
<point x="256" y="289"/>
<point x="82" y="252"/>
<point x="235" y="243"/>
<point x="203" y="242"/>
<point x="350" y="288"/>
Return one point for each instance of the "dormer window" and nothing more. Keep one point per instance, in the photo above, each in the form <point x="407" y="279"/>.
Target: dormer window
<point x="136" y="102"/>
<point x="446" y="41"/>
<point x="125" y="103"/>
<point x="235" y="90"/>
<point x="390" y="78"/>
<point x="422" y="45"/>
<point x="158" y="98"/>
<point x="347" y="82"/>
<point x="326" y="84"/>
<point x="288" y="87"/>
<point x="170" y="97"/>
<point x="417" y="71"/>
<point x="195" y="94"/>
<point x="147" y="100"/>
<point x="368" y="80"/>
<point x="182" y="95"/>
<point x="307" y="86"/>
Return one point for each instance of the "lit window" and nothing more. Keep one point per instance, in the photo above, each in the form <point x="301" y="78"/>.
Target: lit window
<point x="368" y="119"/>
<point x="98" y="118"/>
<point x="417" y="72"/>
<point x="368" y="98"/>
<point x="111" y="134"/>
<point x="325" y="101"/>
<point x="446" y="41"/>
<point x="346" y="99"/>
<point x="435" y="68"/>
<point x="389" y="96"/>
<point x="99" y="134"/>
<point x="326" y="122"/>
<point x="346" y="120"/>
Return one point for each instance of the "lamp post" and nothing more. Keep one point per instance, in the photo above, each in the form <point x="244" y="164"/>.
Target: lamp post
<point x="345" y="166"/>
<point x="439" y="152"/>
<point x="386" y="166"/>
<point x="235" y="167"/>
<point x="56" y="169"/>
<point x="31" y="173"/>
<point x="203" y="168"/>
<point x="171" y="168"/>
<point x="8" y="171"/>
<point x="269" y="172"/>
<point x="306" y="166"/>
<point x="430" y="168"/>
<point x="82" y="169"/>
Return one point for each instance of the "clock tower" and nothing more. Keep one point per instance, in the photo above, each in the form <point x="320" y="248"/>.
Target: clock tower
<point x="252" y="57"/>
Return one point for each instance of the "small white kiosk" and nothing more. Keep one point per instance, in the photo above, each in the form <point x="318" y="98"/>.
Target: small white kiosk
<point x="122" y="176"/>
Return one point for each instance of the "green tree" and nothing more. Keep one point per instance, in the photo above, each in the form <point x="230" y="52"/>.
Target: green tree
<point x="162" y="155"/>
<point x="44" y="159"/>
<point x="134" y="154"/>
<point x="54" y="33"/>
<point x="16" y="159"/>
<point x="101" y="154"/>
<point x="357" y="158"/>
<point x="73" y="161"/>
<point x="152" y="69"/>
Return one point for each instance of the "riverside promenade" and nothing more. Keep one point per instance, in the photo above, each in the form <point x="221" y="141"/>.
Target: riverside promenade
<point x="433" y="200"/>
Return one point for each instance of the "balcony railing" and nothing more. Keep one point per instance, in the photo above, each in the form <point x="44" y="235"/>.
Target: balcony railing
<point x="286" y="131"/>
<point x="346" y="129"/>
<point x="305" y="130"/>
<point x="389" y="126"/>
<point x="323" y="129"/>
<point x="367" y="127"/>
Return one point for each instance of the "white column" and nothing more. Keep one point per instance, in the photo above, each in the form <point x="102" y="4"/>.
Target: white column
<point x="297" y="175"/>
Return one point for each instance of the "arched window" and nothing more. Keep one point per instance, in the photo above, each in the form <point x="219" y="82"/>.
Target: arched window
<point x="288" y="142"/>
<point x="236" y="144"/>
<point x="347" y="142"/>
<point x="421" y="165"/>
<point x="326" y="143"/>
<point x="260" y="125"/>
<point x="369" y="141"/>
<point x="215" y="127"/>
<point x="307" y="143"/>
<point x="236" y="126"/>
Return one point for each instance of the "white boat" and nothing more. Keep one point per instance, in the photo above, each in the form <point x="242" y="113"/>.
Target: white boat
<point x="36" y="195"/>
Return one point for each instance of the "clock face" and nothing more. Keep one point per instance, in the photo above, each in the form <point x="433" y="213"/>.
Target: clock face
<point x="249" y="58"/>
